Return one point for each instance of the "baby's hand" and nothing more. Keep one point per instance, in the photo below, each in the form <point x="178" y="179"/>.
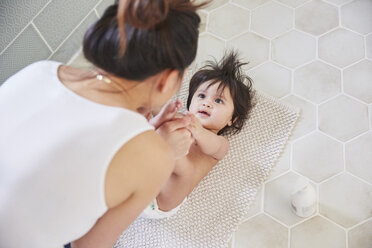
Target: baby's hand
<point x="195" y="126"/>
<point x="167" y="113"/>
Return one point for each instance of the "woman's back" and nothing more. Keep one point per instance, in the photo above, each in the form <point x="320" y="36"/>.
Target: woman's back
<point x="55" y="147"/>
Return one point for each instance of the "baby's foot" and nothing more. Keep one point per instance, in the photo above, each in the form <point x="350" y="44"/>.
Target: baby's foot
<point x="167" y="113"/>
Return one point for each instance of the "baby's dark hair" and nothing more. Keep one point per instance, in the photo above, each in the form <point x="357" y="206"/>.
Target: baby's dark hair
<point x="228" y="73"/>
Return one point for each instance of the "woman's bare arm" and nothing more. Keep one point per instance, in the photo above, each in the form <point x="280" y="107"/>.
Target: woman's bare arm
<point x="152" y="169"/>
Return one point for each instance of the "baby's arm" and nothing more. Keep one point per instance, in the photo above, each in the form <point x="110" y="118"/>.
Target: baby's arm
<point x="209" y="143"/>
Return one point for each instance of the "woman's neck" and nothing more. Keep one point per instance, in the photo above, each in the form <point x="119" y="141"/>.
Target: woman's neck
<point x="119" y="92"/>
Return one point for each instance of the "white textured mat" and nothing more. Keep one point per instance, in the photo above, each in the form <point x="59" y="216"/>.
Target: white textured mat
<point x="217" y="205"/>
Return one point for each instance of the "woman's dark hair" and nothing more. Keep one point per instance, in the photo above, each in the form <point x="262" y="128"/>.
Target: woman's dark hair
<point x="136" y="39"/>
<point x="228" y="73"/>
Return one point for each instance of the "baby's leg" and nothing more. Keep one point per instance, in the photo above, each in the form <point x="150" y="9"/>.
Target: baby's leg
<point x="173" y="193"/>
<point x="176" y="189"/>
<point x="185" y="177"/>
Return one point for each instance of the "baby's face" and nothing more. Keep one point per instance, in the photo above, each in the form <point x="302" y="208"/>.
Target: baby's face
<point x="214" y="108"/>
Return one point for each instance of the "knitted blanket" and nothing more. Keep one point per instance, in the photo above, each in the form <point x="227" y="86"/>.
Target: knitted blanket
<point x="216" y="206"/>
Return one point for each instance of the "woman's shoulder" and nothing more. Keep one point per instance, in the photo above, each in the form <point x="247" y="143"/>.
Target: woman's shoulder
<point x="143" y="159"/>
<point x="38" y="68"/>
<point x="41" y="65"/>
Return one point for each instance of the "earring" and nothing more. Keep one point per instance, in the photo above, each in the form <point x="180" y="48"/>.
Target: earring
<point x="103" y="78"/>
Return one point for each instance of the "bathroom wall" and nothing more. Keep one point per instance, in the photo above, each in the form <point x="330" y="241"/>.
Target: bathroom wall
<point x="33" y="30"/>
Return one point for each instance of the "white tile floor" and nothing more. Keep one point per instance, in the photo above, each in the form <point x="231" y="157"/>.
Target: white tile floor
<point x="316" y="55"/>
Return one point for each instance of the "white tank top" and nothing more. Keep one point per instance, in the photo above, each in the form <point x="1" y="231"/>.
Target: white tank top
<point x="55" y="147"/>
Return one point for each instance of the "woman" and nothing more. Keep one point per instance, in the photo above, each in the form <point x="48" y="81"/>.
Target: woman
<point x="78" y="159"/>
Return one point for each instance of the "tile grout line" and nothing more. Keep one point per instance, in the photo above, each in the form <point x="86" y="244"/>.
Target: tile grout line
<point x="302" y="4"/>
<point x="77" y="26"/>
<point x="233" y="240"/>
<point x="358" y="178"/>
<point x="347" y="237"/>
<point x="365" y="46"/>
<point x="42" y="37"/>
<point x="344" y="155"/>
<point x="276" y="219"/>
<point x="72" y="32"/>
<point x="20" y="32"/>
<point x="262" y="208"/>
<point x="317" y="117"/>
<point x="206" y="22"/>
<point x="95" y="10"/>
<point x="334" y="222"/>
<point x="331" y="177"/>
<point x="238" y="5"/>
<point x="370" y="116"/>
<point x="359" y="224"/>
<point x="15" y="38"/>
<point x="74" y="56"/>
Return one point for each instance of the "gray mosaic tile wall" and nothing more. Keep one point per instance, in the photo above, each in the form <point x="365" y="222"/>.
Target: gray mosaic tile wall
<point x="32" y="30"/>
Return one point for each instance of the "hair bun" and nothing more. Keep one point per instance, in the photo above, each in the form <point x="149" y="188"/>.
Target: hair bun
<point x="145" y="13"/>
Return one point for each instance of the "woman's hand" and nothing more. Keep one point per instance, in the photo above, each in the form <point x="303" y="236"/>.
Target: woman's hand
<point x="167" y="113"/>
<point x="177" y="135"/>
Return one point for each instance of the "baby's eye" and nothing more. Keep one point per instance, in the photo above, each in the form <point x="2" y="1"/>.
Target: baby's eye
<point x="219" y="101"/>
<point x="201" y="95"/>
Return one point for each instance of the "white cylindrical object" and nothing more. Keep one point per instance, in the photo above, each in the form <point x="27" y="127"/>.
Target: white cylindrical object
<point x="303" y="201"/>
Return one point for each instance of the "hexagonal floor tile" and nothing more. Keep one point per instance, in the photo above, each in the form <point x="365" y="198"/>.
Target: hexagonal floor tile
<point x="338" y="2"/>
<point x="323" y="17"/>
<point x="359" y="157"/>
<point x="293" y="49"/>
<point x="357" y="16"/>
<point x="306" y="123"/>
<point x="213" y="4"/>
<point x="261" y="231"/>
<point x="345" y="200"/>
<point x="209" y="47"/>
<point x="277" y="198"/>
<point x="317" y="232"/>
<point x="253" y="48"/>
<point x="358" y="80"/>
<point x="228" y="21"/>
<point x="251" y="4"/>
<point x="317" y="81"/>
<point x="341" y="47"/>
<point x="369" y="46"/>
<point x="293" y="3"/>
<point x="272" y="19"/>
<point x="271" y="79"/>
<point x="317" y="157"/>
<point x="283" y="163"/>
<point x="361" y="236"/>
<point x="343" y="118"/>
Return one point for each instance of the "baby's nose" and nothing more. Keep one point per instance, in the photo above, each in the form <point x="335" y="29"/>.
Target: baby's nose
<point x="207" y="104"/>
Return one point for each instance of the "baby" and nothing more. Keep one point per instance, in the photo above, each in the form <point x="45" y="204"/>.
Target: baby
<point x="219" y="101"/>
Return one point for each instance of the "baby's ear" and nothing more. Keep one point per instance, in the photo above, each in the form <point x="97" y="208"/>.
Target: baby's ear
<point x="232" y="121"/>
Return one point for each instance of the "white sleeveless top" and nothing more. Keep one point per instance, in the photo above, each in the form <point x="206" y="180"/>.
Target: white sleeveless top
<point x="55" y="147"/>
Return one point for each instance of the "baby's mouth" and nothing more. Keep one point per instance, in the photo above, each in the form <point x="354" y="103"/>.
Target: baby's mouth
<point x="204" y="113"/>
